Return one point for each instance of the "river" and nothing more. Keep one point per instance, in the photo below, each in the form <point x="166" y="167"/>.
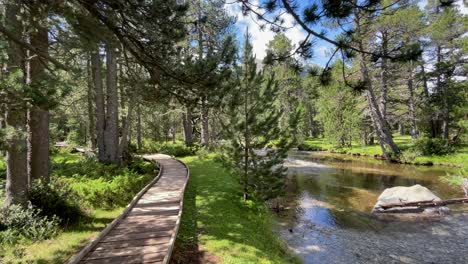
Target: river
<point x="327" y="217"/>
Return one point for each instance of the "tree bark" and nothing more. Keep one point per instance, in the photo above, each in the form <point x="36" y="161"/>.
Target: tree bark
<point x="38" y="143"/>
<point x="91" y="108"/>
<point x="432" y="125"/>
<point x="96" y="66"/>
<point x="15" y="118"/>
<point x="411" y="104"/>
<point x="383" y="134"/>
<point x="111" y="131"/>
<point x="205" y="133"/>
<point x="38" y="116"/>
<point x="187" y="124"/>
<point x="124" y="141"/>
<point x="138" y="128"/>
<point x="424" y="204"/>
<point x="384" y="78"/>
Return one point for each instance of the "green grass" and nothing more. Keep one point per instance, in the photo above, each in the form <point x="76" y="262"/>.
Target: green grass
<point x="217" y="224"/>
<point x="458" y="158"/>
<point x="62" y="247"/>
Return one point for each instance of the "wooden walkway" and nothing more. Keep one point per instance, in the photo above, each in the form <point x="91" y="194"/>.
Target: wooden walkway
<point x="146" y="231"/>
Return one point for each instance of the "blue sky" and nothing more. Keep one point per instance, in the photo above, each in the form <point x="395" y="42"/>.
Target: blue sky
<point x="260" y="38"/>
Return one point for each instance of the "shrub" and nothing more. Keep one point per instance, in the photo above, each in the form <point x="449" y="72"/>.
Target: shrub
<point x="142" y="167"/>
<point x="456" y="179"/>
<point x="409" y="155"/>
<point x="177" y="149"/>
<point x="2" y="168"/>
<point x="56" y="199"/>
<point x="17" y="222"/>
<point x="109" y="193"/>
<point x="107" y="186"/>
<point x="432" y="146"/>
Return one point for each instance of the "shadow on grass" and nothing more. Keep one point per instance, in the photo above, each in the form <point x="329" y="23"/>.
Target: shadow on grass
<point x="187" y="249"/>
<point x="215" y="212"/>
<point x="64" y="251"/>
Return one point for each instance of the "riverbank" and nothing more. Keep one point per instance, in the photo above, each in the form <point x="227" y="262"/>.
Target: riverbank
<point x="328" y="213"/>
<point x="218" y="226"/>
<point x="459" y="158"/>
<point x="101" y="191"/>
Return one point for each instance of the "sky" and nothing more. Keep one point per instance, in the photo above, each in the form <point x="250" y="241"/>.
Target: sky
<point x="260" y="38"/>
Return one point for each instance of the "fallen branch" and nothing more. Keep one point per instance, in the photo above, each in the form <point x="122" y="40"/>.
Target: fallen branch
<point x="424" y="204"/>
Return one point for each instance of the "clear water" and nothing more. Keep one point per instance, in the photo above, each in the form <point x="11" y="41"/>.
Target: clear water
<point x="329" y="199"/>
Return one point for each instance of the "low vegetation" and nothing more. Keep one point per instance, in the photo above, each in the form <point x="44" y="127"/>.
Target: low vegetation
<point x="176" y="149"/>
<point x="423" y="151"/>
<point x="217" y="225"/>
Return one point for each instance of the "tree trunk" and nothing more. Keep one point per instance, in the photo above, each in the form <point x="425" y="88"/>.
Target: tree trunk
<point x="187" y="124"/>
<point x="401" y="129"/>
<point x="205" y="133"/>
<point x="432" y="126"/>
<point x="173" y="134"/>
<point x="384" y="78"/>
<point x="123" y="148"/>
<point x="411" y="105"/>
<point x="383" y="134"/>
<point x="91" y="108"/>
<point x="15" y="118"/>
<point x="96" y="66"/>
<point x="111" y="131"/>
<point x="247" y="145"/>
<point x="138" y="128"/>
<point x="424" y="204"/>
<point x="38" y="143"/>
<point x="38" y="116"/>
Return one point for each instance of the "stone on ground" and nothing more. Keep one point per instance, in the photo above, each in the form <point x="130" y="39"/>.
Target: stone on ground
<point x="413" y="193"/>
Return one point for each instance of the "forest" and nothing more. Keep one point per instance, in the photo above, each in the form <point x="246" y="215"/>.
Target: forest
<point x="88" y="87"/>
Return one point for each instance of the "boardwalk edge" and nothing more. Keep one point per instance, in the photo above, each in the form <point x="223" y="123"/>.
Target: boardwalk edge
<point x="167" y="258"/>
<point x="78" y="257"/>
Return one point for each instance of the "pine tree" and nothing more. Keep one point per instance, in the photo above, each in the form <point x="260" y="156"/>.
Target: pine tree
<point x="338" y="110"/>
<point x="253" y="123"/>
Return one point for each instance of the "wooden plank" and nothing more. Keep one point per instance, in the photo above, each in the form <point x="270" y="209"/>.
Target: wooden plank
<point x="134" y="229"/>
<point x="152" y="213"/>
<point x="145" y="223"/>
<point x="137" y="219"/>
<point x="146" y="258"/>
<point x="132" y="243"/>
<point x="141" y="205"/>
<point x="129" y="251"/>
<point x="125" y="237"/>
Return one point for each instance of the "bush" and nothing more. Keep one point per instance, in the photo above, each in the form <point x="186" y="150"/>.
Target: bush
<point x="106" y="186"/>
<point x="456" y="179"/>
<point x="142" y="167"/>
<point x="177" y="149"/>
<point x="432" y="146"/>
<point x="17" y="222"/>
<point x="56" y="199"/>
<point x="409" y="155"/>
<point x="2" y="168"/>
<point x="108" y="194"/>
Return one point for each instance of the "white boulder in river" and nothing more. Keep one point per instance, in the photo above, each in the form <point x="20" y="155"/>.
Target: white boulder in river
<point x="401" y="194"/>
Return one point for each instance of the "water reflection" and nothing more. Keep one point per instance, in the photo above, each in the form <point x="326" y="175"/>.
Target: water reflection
<point x="329" y="202"/>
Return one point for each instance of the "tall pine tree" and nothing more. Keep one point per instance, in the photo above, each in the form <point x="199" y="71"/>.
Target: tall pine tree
<point x="253" y="123"/>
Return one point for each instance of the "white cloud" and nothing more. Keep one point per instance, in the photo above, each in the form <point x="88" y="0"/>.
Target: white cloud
<point x="260" y="38"/>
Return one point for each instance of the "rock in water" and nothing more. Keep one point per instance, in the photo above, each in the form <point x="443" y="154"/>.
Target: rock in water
<point x="415" y="193"/>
